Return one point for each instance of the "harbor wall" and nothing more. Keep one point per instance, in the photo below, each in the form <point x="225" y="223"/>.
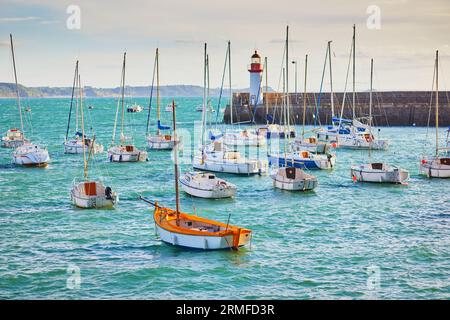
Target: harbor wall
<point x="393" y="108"/>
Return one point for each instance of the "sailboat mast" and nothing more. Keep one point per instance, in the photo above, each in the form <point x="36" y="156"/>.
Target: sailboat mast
<point x="83" y="141"/>
<point x="208" y="102"/>
<point x="175" y="154"/>
<point x="304" y="98"/>
<point x="204" y="97"/>
<point x="151" y="95"/>
<point x="287" y="80"/>
<point x="123" y="95"/>
<point x="370" y="105"/>
<point x="437" y="103"/>
<point x="71" y="100"/>
<point x="158" y="98"/>
<point x="331" y="82"/>
<point x="15" y="79"/>
<point x="229" y="80"/>
<point x="266" y="100"/>
<point x="354" y="71"/>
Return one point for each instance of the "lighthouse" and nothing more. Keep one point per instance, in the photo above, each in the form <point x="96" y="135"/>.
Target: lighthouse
<point x="256" y="69"/>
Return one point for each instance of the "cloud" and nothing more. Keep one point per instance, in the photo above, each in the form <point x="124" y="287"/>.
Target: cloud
<point x="17" y="19"/>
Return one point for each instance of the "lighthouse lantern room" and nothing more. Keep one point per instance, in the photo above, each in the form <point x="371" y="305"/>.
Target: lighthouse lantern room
<point x="256" y="69"/>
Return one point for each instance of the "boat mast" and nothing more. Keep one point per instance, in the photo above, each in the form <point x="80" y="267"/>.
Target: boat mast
<point x="204" y="97"/>
<point x="304" y="98"/>
<point x="437" y="103"/>
<point x="370" y="106"/>
<point x="83" y="141"/>
<point x="122" y="137"/>
<point x="229" y="80"/>
<point x="266" y="91"/>
<point x="175" y="154"/>
<point x="331" y="82"/>
<point x="71" y="100"/>
<point x="208" y="102"/>
<point x="17" y="86"/>
<point x="151" y="95"/>
<point x="117" y="112"/>
<point x="158" y="98"/>
<point x="354" y="71"/>
<point x="287" y="81"/>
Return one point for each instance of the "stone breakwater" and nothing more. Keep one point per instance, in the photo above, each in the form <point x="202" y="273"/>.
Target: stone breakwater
<point x="390" y="108"/>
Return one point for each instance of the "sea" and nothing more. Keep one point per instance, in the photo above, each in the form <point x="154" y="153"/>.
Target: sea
<point x="345" y="240"/>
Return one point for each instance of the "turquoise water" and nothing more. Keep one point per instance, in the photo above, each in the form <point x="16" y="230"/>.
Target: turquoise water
<point x="343" y="241"/>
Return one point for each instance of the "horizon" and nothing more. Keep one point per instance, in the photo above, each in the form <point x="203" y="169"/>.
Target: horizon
<point x="401" y="36"/>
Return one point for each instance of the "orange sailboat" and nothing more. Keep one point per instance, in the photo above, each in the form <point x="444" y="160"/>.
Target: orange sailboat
<point x="191" y="231"/>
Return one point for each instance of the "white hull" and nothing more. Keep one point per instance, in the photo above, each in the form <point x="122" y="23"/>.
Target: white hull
<point x="198" y="241"/>
<point x="384" y="174"/>
<point x="433" y="168"/>
<point x="200" y="185"/>
<point x="352" y="141"/>
<point x="98" y="201"/>
<point x="252" y="140"/>
<point x="160" y="143"/>
<point x="218" y="164"/>
<point x="31" y="155"/>
<point x="12" y="144"/>
<point x="116" y="155"/>
<point x="75" y="147"/>
<point x="301" y="181"/>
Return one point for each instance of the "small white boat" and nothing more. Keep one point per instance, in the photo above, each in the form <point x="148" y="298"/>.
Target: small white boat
<point x="161" y="139"/>
<point x="93" y="194"/>
<point x="293" y="179"/>
<point x="75" y="146"/>
<point x="275" y="131"/>
<point x="126" y="153"/>
<point x="14" y="138"/>
<point x="216" y="158"/>
<point x="435" y="167"/>
<point x="31" y="155"/>
<point x="379" y="173"/>
<point x="243" y="138"/>
<point x="135" y="108"/>
<point x="303" y="160"/>
<point x="160" y="142"/>
<point x="311" y="144"/>
<point x="207" y="185"/>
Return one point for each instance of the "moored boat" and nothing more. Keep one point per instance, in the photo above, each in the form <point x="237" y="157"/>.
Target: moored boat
<point x="207" y="185"/>
<point x="293" y="179"/>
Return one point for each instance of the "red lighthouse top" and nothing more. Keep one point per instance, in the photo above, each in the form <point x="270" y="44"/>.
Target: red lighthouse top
<point x="256" y="65"/>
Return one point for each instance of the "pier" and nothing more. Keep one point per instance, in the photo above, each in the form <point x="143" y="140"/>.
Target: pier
<point x="391" y="108"/>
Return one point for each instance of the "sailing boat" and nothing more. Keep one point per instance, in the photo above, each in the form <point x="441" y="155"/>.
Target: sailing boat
<point x="191" y="231"/>
<point x="159" y="141"/>
<point x="74" y="145"/>
<point x="310" y="144"/>
<point x="436" y="166"/>
<point x="352" y="133"/>
<point x="90" y="193"/>
<point x="215" y="156"/>
<point x="243" y="137"/>
<point x="26" y="153"/>
<point x="289" y="177"/>
<point x="377" y="172"/>
<point x="15" y="137"/>
<point x="302" y="159"/>
<point x="124" y="152"/>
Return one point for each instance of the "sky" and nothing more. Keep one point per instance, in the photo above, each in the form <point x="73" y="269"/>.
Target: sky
<point x="400" y="35"/>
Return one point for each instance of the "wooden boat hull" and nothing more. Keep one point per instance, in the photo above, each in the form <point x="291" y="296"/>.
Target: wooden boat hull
<point x="232" y="237"/>
<point x="392" y="174"/>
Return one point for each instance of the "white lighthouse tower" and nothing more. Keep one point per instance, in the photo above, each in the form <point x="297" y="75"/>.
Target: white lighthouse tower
<point x="256" y="69"/>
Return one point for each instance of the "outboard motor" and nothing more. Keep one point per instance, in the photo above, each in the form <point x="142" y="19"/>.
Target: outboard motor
<point x="108" y="193"/>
